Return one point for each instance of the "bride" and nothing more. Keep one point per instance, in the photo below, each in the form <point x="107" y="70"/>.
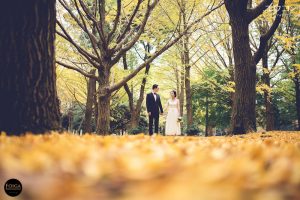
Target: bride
<point x="173" y="115"/>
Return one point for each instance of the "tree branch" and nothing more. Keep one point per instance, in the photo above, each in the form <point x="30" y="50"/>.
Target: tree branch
<point x="160" y="51"/>
<point x="258" y="10"/>
<point x="86" y="74"/>
<point x="141" y="26"/>
<point x="91" y="36"/>
<point x="116" y="21"/>
<point x="83" y="52"/>
<point x="92" y="16"/>
<point x="127" y="28"/>
<point x="264" y="38"/>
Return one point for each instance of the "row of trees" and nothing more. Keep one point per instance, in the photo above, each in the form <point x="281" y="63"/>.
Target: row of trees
<point x="104" y="34"/>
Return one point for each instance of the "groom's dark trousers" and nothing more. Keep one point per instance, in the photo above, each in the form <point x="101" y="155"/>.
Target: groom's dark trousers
<point x="153" y="106"/>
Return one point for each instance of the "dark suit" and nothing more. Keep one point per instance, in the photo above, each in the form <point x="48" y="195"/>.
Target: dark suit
<point x="153" y="106"/>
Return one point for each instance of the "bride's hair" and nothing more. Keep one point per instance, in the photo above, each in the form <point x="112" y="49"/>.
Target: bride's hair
<point x="174" y="93"/>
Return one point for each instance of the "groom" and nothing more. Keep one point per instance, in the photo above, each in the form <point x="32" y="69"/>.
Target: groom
<point x="153" y="104"/>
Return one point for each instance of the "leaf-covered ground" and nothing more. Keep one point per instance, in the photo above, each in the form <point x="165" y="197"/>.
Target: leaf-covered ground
<point x="70" y="167"/>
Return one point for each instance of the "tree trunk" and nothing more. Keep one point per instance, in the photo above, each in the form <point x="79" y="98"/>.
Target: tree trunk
<point x="206" y="116"/>
<point x="188" y="93"/>
<point x="138" y="108"/>
<point x="270" y="119"/>
<point x="135" y="110"/>
<point x="133" y="116"/>
<point x="182" y="81"/>
<point x="104" y="97"/>
<point x="96" y="105"/>
<point x="27" y="71"/>
<point x="231" y="76"/>
<point x="134" y="120"/>
<point x="177" y="76"/>
<point x="91" y="90"/>
<point x="187" y="66"/>
<point x="297" y="90"/>
<point x="243" y="117"/>
<point x="297" y="93"/>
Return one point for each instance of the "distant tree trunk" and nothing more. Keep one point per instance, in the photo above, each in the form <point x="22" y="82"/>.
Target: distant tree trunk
<point x="96" y="105"/>
<point x="206" y="116"/>
<point x="270" y="119"/>
<point x="140" y="100"/>
<point x="188" y="93"/>
<point x="189" y="109"/>
<point x="177" y="76"/>
<point x="135" y="110"/>
<point x="104" y="97"/>
<point x="91" y="90"/>
<point x="297" y="93"/>
<point x="181" y="94"/>
<point x="27" y="71"/>
<point x="187" y="66"/>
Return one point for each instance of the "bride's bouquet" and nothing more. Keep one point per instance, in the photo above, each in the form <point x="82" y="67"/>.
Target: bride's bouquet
<point x="179" y="119"/>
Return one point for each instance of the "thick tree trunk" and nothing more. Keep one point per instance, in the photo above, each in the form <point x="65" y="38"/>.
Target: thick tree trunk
<point x="243" y="117"/>
<point x="91" y="90"/>
<point x="104" y="97"/>
<point x="269" y="114"/>
<point x="27" y="71"/>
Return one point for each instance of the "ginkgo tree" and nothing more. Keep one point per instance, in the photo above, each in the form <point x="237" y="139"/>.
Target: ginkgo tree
<point x="27" y="72"/>
<point x="291" y="59"/>
<point x="241" y="14"/>
<point x="112" y="31"/>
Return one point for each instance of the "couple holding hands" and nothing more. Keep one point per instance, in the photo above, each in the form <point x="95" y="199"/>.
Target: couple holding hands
<point x="173" y="119"/>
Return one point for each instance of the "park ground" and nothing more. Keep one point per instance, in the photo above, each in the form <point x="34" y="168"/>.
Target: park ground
<point x="64" y="166"/>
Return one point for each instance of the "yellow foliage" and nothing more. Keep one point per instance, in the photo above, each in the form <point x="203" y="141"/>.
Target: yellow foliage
<point x="297" y="67"/>
<point x="261" y="88"/>
<point x="66" y="166"/>
<point x="266" y="71"/>
<point x="230" y="87"/>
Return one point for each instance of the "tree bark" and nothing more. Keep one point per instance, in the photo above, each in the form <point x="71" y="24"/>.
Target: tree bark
<point x="135" y="110"/>
<point x="297" y="93"/>
<point x="182" y="83"/>
<point x="269" y="111"/>
<point x="187" y="66"/>
<point x="188" y="93"/>
<point x="91" y="90"/>
<point x="206" y="116"/>
<point x="27" y="71"/>
<point x="104" y="97"/>
<point x="243" y="118"/>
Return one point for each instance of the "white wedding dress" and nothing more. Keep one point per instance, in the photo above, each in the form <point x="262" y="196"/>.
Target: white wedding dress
<point x="172" y="124"/>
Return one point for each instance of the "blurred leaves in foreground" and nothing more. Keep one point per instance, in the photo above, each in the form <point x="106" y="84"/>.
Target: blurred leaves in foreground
<point x="66" y="166"/>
